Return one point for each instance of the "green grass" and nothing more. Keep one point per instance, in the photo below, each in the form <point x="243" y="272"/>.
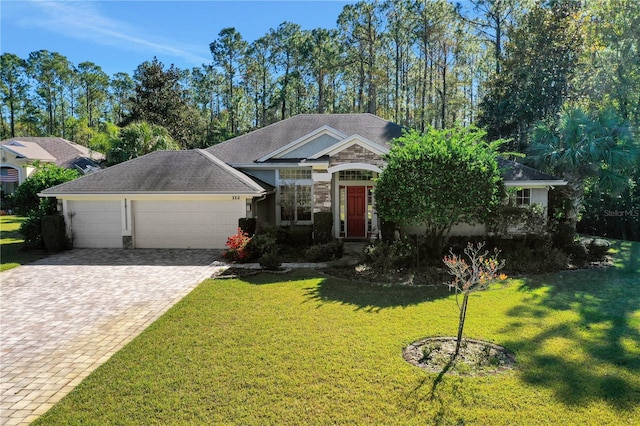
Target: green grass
<point x="11" y="241"/>
<point x="303" y="349"/>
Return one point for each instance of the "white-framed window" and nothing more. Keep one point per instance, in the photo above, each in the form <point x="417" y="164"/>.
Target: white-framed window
<point x="296" y="195"/>
<point x="295" y="174"/>
<point x="356" y="175"/>
<point x="523" y="197"/>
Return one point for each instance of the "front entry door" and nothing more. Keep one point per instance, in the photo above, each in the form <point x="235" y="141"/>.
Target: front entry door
<point x="356" y="211"/>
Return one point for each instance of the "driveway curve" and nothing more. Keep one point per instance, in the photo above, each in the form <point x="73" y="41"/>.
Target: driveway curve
<point x="63" y="316"/>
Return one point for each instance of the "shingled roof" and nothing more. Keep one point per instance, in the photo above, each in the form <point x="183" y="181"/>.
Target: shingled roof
<point x="250" y="147"/>
<point x="62" y="152"/>
<point x="193" y="171"/>
<point x="515" y="172"/>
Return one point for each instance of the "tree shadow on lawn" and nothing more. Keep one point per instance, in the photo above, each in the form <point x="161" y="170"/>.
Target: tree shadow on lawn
<point x="372" y="297"/>
<point x="605" y="332"/>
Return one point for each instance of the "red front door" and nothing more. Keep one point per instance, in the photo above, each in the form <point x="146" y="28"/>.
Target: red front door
<point x="356" y="211"/>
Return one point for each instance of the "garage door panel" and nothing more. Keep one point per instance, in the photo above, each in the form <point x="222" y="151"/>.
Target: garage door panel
<point x="185" y="224"/>
<point x="96" y="224"/>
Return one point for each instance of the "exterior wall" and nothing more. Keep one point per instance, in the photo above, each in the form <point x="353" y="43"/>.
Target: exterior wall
<point x="268" y="175"/>
<point x="540" y="196"/>
<point x="266" y="210"/>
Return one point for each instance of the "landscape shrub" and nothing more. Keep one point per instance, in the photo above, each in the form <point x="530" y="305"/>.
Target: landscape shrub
<point x="388" y="230"/>
<point x="296" y="236"/>
<point x="54" y="233"/>
<point x="325" y="252"/>
<point x="322" y="227"/>
<point x="259" y="245"/>
<point x="578" y="253"/>
<point x="237" y="244"/>
<point x="31" y="228"/>
<point x="391" y="255"/>
<point x="271" y="260"/>
<point x="524" y="254"/>
<point x="598" y="249"/>
<point x="563" y="235"/>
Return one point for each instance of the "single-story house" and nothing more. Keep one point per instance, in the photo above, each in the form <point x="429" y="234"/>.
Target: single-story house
<point x="20" y="153"/>
<point x="280" y="174"/>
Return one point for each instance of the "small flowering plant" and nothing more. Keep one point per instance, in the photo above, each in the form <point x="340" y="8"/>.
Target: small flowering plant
<point x="473" y="273"/>
<point x="237" y="246"/>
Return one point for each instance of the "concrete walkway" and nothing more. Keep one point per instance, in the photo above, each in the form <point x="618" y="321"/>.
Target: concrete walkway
<point x="63" y="316"/>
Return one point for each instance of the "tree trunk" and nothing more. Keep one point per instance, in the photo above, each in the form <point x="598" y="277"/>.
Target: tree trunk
<point x="463" y="314"/>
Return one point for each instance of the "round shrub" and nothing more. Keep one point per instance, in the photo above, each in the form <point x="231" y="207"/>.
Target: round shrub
<point x="271" y="260"/>
<point x="324" y="252"/>
<point x="598" y="249"/>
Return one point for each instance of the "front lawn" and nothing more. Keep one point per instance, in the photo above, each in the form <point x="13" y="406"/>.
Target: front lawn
<point x="304" y="349"/>
<point x="11" y="242"/>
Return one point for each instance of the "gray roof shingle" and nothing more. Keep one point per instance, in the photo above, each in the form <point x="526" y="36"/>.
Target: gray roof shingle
<point x="514" y="172"/>
<point x="250" y="147"/>
<point x="193" y="171"/>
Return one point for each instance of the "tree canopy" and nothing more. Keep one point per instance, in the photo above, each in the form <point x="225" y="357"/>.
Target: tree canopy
<point x="580" y="147"/>
<point x="26" y="199"/>
<point x="438" y="179"/>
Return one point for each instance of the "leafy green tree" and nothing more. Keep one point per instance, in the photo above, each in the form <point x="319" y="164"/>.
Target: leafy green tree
<point x="542" y="54"/>
<point x="609" y="77"/>
<point x="122" y="89"/>
<point x="138" y="139"/>
<point x="361" y="25"/>
<point x="288" y="41"/>
<point x="25" y="197"/>
<point x="94" y="83"/>
<point x="258" y="80"/>
<point x="580" y="147"/>
<point x="438" y="179"/>
<point x="228" y="51"/>
<point x="107" y="137"/>
<point x="323" y="51"/>
<point x="51" y="71"/>
<point x="160" y="99"/>
<point x="14" y="85"/>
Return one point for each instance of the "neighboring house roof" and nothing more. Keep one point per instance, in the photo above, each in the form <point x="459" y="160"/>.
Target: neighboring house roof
<point x="60" y="151"/>
<point x="29" y="151"/>
<point x="515" y="172"/>
<point x="193" y="171"/>
<point x="260" y="143"/>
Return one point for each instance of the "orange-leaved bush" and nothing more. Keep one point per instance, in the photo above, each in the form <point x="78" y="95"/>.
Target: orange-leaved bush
<point x="237" y="244"/>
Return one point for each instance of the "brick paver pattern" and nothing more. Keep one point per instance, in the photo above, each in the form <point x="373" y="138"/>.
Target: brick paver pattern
<point x="63" y="316"/>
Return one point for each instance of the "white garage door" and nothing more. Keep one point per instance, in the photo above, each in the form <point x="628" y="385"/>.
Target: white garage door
<point x="96" y="224"/>
<point x="185" y="224"/>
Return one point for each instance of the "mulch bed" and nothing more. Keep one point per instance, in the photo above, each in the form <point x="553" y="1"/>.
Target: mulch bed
<point x="476" y="357"/>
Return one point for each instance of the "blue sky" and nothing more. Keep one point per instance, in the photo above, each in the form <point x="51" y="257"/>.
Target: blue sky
<point x="120" y="35"/>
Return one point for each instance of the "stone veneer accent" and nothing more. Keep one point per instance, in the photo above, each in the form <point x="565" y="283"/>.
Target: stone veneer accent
<point x="356" y="154"/>
<point x="322" y="197"/>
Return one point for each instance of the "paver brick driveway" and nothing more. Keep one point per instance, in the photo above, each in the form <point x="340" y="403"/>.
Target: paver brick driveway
<point x="63" y="316"/>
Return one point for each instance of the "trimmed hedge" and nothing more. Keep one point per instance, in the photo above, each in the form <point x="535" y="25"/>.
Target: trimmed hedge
<point x="322" y="227"/>
<point x="54" y="233"/>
